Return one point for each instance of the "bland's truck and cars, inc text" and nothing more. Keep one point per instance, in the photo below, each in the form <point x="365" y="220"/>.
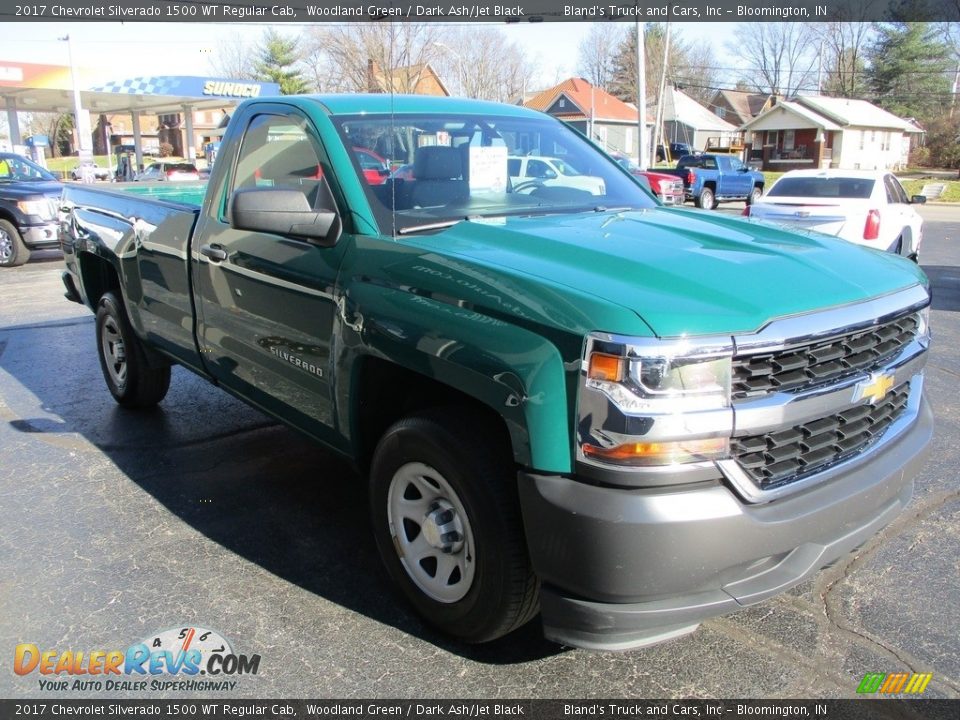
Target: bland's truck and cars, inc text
<point x="567" y="398"/>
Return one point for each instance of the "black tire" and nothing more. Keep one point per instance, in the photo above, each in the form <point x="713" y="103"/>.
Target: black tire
<point x="754" y="195"/>
<point x="13" y="252"/>
<point x="488" y="586"/>
<point x="129" y="377"/>
<point x="706" y="199"/>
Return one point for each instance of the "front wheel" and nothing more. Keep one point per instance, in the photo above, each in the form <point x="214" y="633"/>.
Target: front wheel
<point x="129" y="377"/>
<point x="754" y="195"/>
<point x="706" y="199"/>
<point x="446" y="518"/>
<point x="13" y="251"/>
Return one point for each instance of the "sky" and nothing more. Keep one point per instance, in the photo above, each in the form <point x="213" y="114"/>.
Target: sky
<point x="119" y="50"/>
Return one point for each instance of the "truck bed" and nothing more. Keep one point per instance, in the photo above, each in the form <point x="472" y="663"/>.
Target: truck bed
<point x="147" y="240"/>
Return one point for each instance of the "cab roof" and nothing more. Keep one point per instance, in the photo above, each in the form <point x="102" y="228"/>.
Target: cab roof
<point x="382" y="104"/>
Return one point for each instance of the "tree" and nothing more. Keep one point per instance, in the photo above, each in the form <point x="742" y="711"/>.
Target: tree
<point x="277" y="61"/>
<point x="233" y="58"/>
<point x="474" y="61"/>
<point x="371" y="57"/>
<point x="843" y="47"/>
<point x="486" y="64"/>
<point x="909" y="70"/>
<point x="596" y="53"/>
<point x="689" y="66"/>
<point x="779" y="57"/>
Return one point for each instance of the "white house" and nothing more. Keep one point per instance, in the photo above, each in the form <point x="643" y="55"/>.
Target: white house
<point x="687" y="121"/>
<point x="819" y="131"/>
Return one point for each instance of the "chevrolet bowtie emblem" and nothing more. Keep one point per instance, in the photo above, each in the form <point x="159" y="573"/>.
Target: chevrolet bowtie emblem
<point x="875" y="388"/>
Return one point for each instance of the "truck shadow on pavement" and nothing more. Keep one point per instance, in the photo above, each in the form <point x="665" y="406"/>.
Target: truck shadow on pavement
<point x="945" y="283"/>
<point x="252" y="486"/>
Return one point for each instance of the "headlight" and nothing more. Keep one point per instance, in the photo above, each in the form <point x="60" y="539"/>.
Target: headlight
<point x="41" y="208"/>
<point x="662" y="382"/>
<point x="650" y="403"/>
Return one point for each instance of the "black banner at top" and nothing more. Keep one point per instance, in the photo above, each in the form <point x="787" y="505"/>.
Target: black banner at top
<point x="192" y="708"/>
<point x="454" y="11"/>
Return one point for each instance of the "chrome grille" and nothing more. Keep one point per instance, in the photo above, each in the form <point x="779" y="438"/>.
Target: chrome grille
<point x="823" y="362"/>
<point x="777" y="458"/>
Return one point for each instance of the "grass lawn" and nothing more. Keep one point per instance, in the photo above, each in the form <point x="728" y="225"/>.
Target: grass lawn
<point x="951" y="194"/>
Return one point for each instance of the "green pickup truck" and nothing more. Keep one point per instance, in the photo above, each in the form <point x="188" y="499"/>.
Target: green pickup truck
<point x="567" y="400"/>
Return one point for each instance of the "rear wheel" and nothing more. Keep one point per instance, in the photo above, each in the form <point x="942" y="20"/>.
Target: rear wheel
<point x="13" y="251"/>
<point x="129" y="377"/>
<point x="447" y="522"/>
<point x="706" y="199"/>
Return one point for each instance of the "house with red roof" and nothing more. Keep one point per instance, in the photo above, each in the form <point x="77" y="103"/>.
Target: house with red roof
<point x="609" y="121"/>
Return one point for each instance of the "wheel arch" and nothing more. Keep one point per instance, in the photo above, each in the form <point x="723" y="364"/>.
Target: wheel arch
<point x="426" y="353"/>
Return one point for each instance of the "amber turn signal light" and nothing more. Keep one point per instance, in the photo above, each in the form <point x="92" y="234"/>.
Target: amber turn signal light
<point x="606" y="367"/>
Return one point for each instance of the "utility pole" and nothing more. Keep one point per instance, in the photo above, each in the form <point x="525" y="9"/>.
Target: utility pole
<point x="82" y="124"/>
<point x="642" y="100"/>
<point x="658" y="127"/>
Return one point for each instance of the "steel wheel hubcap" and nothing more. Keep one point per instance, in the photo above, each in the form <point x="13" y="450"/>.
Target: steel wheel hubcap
<point x="431" y="532"/>
<point x="114" y="352"/>
<point x="6" y="246"/>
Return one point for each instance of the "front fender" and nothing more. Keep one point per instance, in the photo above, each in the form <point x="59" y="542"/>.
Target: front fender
<point x="514" y="371"/>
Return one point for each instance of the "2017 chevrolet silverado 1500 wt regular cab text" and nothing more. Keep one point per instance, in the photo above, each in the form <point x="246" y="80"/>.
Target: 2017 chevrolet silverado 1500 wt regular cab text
<point x="628" y="416"/>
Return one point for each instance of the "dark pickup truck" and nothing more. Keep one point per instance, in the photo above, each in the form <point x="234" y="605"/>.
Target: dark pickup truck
<point x="570" y="401"/>
<point x="29" y="197"/>
<point x="709" y="180"/>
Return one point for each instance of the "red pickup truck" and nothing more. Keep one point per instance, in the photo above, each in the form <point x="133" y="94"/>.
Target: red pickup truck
<point x="667" y="188"/>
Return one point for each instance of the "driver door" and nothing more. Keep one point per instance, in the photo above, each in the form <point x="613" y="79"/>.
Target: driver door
<point x="265" y="302"/>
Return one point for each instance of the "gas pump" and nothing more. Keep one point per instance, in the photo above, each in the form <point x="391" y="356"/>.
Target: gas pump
<point x="126" y="163"/>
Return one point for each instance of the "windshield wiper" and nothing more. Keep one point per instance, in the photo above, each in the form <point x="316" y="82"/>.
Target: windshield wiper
<point x="604" y="208"/>
<point x="409" y="229"/>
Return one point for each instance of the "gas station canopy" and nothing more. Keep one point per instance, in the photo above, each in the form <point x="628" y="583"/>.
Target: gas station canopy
<point x="49" y="88"/>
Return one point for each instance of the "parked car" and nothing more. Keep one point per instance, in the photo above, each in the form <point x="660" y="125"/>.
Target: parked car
<point x="677" y="150"/>
<point x="620" y="417"/>
<point x="176" y="171"/>
<point x="29" y="198"/>
<point x="710" y="179"/>
<point x="99" y="173"/>
<point x="667" y="188"/>
<point x="866" y="207"/>
<point x="529" y="172"/>
<point x="375" y="169"/>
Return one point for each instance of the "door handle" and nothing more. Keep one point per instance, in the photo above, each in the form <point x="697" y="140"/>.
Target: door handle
<point x="214" y="252"/>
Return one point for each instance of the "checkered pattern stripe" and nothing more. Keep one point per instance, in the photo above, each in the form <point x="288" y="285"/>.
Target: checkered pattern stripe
<point x="141" y="86"/>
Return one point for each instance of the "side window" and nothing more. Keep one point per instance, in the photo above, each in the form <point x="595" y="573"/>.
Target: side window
<point x="281" y="151"/>
<point x="710" y="163"/>
<point x="901" y="193"/>
<point x="538" y="169"/>
<point x="895" y="193"/>
<point x="513" y="167"/>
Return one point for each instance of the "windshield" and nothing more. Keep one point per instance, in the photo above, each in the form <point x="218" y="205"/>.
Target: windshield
<point x="465" y="167"/>
<point x="14" y="168"/>
<point x="823" y="187"/>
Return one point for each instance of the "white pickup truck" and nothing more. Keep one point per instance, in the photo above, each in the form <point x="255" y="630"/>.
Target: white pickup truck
<point x="538" y="171"/>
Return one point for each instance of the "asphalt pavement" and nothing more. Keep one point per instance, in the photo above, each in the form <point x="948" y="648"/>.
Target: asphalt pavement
<point x="115" y="526"/>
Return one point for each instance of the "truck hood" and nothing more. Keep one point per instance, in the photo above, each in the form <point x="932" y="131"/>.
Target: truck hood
<point x="683" y="272"/>
<point x="28" y="189"/>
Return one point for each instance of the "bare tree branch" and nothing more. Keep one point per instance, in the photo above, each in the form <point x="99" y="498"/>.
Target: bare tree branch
<point x="233" y="58"/>
<point x="779" y="57"/>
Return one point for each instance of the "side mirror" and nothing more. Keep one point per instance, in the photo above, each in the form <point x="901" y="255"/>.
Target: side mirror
<point x="549" y="174"/>
<point x="918" y="199"/>
<point x="282" y="211"/>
